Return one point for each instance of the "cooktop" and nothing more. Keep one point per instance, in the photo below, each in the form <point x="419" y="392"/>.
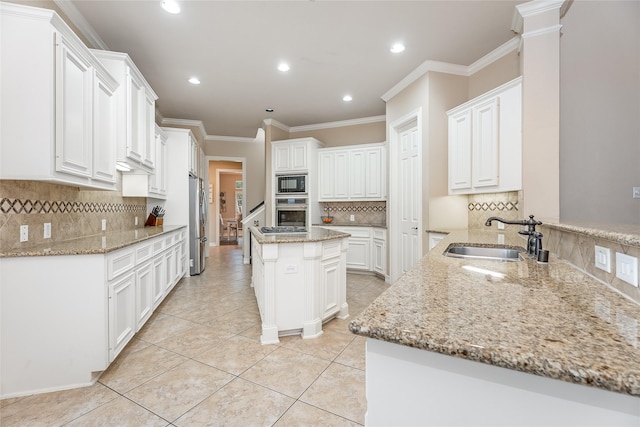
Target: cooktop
<point x="283" y="229"/>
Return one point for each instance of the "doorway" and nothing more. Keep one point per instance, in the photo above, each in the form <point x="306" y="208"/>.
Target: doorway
<point x="227" y="187"/>
<point x="405" y="195"/>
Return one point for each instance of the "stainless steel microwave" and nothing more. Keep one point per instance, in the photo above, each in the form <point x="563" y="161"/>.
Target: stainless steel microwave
<point x="291" y="184"/>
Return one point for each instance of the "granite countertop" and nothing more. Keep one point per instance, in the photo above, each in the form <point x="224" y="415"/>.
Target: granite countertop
<point x="94" y="244"/>
<point x="315" y="234"/>
<point x="623" y="234"/>
<point x="544" y="319"/>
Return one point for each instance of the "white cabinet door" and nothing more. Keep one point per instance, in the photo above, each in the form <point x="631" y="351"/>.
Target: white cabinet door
<point x="104" y="131"/>
<point x="158" y="280"/>
<point x="122" y="313"/>
<point x="357" y="174"/>
<point x="144" y="293"/>
<point x="330" y="287"/>
<point x="147" y="131"/>
<point x="359" y="253"/>
<point x="375" y="174"/>
<point x="460" y="150"/>
<point x="74" y="105"/>
<point x="290" y="156"/>
<point x="484" y="169"/>
<point x="485" y="142"/>
<point x="157" y="180"/>
<point x="379" y="255"/>
<point x="170" y="265"/>
<point x="193" y="156"/>
<point x="137" y="100"/>
<point x="353" y="173"/>
<point x="299" y="157"/>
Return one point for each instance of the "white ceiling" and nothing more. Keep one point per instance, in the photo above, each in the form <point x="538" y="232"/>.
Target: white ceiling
<point x="333" y="48"/>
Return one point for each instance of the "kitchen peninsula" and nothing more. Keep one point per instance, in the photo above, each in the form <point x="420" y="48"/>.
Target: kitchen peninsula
<point x="476" y="342"/>
<point x="299" y="280"/>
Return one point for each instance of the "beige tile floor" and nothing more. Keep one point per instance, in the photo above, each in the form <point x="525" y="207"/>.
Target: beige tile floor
<point x="198" y="362"/>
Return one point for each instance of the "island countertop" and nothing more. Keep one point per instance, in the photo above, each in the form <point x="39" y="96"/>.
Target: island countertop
<point x="93" y="244"/>
<point x="315" y="234"/>
<point x="549" y="319"/>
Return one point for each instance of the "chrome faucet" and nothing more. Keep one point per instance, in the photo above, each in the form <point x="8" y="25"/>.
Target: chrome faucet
<point x="534" y="242"/>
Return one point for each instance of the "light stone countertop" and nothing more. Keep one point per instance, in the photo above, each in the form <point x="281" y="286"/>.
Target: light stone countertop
<point x="623" y="234"/>
<point x="315" y="234"/>
<point x="349" y="224"/>
<point x="94" y="244"/>
<point x="544" y="319"/>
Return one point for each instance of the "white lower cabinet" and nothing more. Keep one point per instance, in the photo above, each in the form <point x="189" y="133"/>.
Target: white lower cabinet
<point x="139" y="277"/>
<point x="367" y="248"/>
<point x="122" y="313"/>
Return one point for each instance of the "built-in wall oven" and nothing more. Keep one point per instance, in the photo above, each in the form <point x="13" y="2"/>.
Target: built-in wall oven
<point x="291" y="211"/>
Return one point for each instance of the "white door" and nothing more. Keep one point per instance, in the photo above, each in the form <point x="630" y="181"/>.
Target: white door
<point x="409" y="197"/>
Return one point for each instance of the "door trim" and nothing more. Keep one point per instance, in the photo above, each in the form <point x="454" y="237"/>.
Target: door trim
<point x="214" y="235"/>
<point x="395" y="128"/>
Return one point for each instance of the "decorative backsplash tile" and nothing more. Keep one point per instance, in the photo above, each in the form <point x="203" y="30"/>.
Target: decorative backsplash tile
<point x="71" y="211"/>
<point x="370" y="213"/>
<point x="482" y="206"/>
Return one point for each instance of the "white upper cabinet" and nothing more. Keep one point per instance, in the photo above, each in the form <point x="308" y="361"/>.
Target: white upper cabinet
<point x="136" y="111"/>
<point x="58" y="105"/>
<point x="485" y="142"/>
<point x="294" y="155"/>
<point x="356" y="172"/>
<point x="158" y="179"/>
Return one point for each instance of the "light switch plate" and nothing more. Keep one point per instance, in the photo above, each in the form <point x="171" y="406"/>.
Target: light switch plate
<point x="104" y="224"/>
<point x="627" y="268"/>
<point x="603" y="258"/>
<point x="47" y="230"/>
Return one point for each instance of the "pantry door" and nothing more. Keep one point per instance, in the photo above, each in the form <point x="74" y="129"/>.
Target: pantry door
<point x="406" y="199"/>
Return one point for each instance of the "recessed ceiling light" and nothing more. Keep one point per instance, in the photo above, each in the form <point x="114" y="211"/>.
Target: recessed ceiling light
<point x="397" y="48"/>
<point x="284" y="67"/>
<point x="171" y="6"/>
<point x="269" y="110"/>
<point x="347" y="98"/>
<point x="194" y="81"/>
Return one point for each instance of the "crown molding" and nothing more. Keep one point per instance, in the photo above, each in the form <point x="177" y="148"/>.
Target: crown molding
<point x="339" y="124"/>
<point x="186" y="122"/>
<point x="494" y="55"/>
<point x="274" y="122"/>
<point x="81" y="23"/>
<point x="425" y="67"/>
<point x="447" y="68"/>
<point x="533" y="8"/>
<point x="220" y="138"/>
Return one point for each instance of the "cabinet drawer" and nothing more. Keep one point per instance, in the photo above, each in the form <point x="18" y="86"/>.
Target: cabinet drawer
<point x="177" y="238"/>
<point x="168" y="241"/>
<point x="379" y="233"/>
<point x="143" y="252"/>
<point x="158" y="246"/>
<point x="364" y="232"/>
<point x="120" y="262"/>
<point x="331" y="250"/>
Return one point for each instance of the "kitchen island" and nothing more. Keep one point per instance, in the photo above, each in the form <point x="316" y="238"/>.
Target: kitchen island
<point x="477" y="342"/>
<point x="299" y="280"/>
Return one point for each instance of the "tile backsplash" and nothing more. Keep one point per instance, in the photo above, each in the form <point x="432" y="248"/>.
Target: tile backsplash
<point x="72" y="212"/>
<point x="504" y="205"/>
<point x="370" y="213"/>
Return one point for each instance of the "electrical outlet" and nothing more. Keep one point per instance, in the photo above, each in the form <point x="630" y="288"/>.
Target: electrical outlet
<point x="627" y="268"/>
<point x="47" y="230"/>
<point x="636" y="192"/>
<point x="500" y="225"/>
<point x="135" y="222"/>
<point x="24" y="233"/>
<point x="352" y="217"/>
<point x="603" y="258"/>
<point x="104" y="224"/>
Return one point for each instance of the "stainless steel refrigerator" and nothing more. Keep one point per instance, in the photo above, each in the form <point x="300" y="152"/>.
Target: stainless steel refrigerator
<point x="197" y="223"/>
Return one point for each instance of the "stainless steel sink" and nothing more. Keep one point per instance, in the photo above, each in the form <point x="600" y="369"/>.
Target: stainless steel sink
<point x="488" y="252"/>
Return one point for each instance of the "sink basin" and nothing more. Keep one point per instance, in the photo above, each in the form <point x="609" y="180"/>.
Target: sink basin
<point x="488" y="252"/>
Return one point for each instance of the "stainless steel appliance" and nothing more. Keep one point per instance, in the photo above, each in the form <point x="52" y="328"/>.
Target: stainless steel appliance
<point x="291" y="212"/>
<point x="197" y="222"/>
<point x="291" y="184"/>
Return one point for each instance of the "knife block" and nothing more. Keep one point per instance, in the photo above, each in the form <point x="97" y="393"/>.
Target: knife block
<point x="153" y="221"/>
